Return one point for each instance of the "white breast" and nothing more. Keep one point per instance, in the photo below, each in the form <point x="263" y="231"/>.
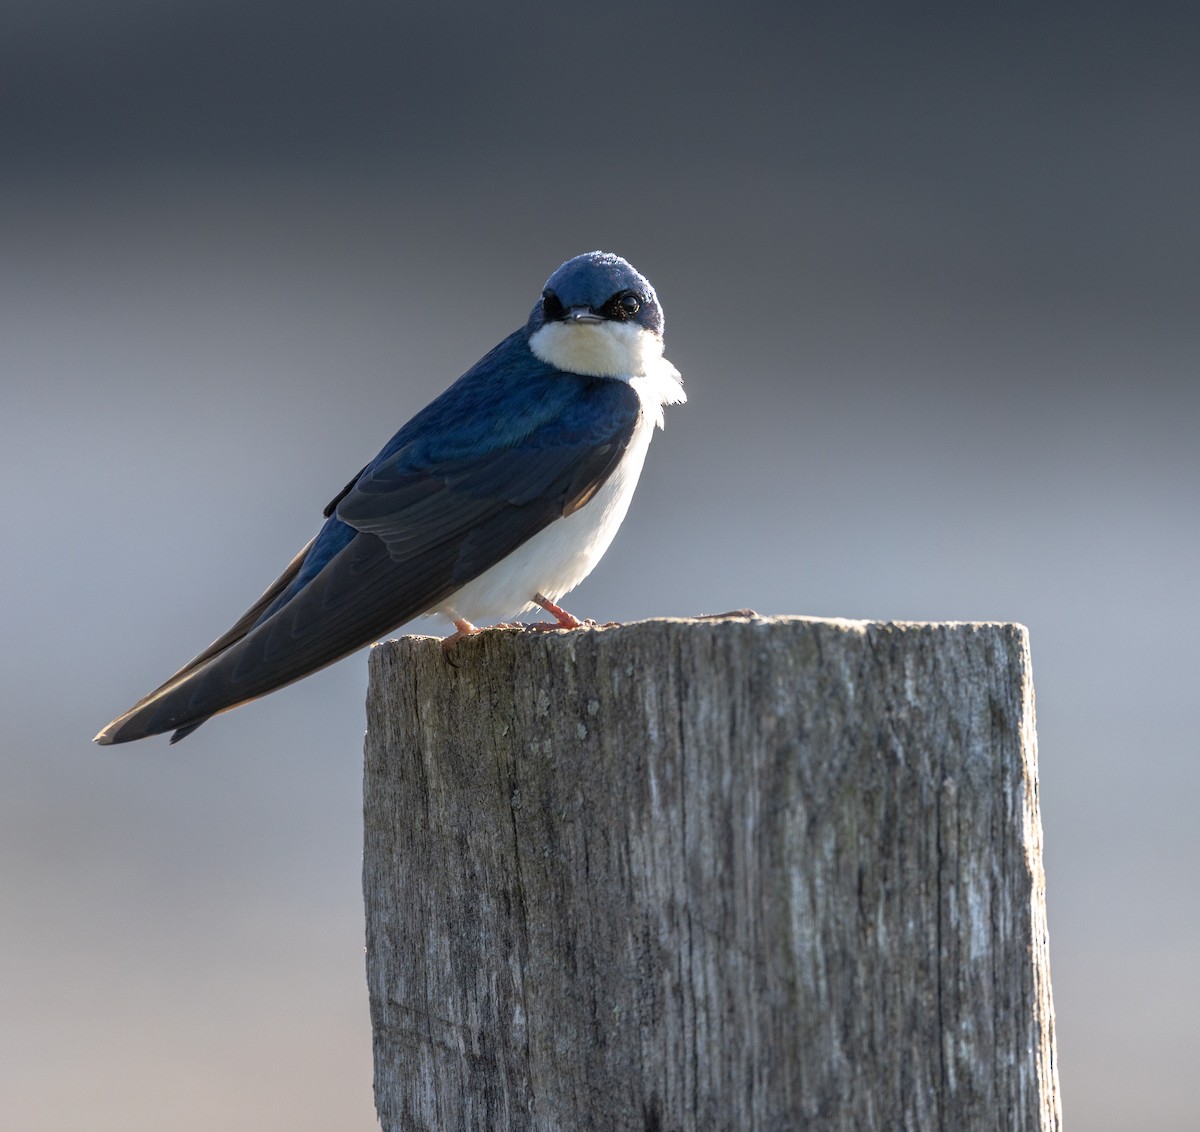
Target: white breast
<point x="561" y="555"/>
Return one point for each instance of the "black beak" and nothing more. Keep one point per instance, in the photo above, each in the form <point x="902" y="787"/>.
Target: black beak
<point x="582" y="314"/>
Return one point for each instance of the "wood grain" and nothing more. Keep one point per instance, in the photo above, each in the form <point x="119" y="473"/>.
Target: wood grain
<point x="713" y="874"/>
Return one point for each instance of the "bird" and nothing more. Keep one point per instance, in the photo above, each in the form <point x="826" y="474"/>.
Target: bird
<point x="498" y="497"/>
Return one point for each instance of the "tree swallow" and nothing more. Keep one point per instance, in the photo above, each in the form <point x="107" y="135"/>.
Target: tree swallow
<point x="499" y="496"/>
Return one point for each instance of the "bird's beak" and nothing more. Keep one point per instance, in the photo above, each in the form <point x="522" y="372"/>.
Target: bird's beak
<point x="582" y="314"/>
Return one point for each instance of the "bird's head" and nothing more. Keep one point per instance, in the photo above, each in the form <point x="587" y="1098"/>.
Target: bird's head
<point x="597" y="316"/>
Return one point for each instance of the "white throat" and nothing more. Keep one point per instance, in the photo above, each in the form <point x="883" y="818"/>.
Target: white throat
<point x="597" y="349"/>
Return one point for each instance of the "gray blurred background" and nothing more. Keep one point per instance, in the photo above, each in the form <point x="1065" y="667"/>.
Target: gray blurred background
<point x="930" y="274"/>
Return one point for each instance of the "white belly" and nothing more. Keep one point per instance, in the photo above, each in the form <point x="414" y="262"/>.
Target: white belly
<point x="561" y="555"/>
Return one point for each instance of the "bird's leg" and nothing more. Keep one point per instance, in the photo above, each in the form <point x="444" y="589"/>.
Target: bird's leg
<point x="465" y="629"/>
<point x="565" y="620"/>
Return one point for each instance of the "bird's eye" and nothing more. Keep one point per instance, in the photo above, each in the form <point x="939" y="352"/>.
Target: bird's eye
<point x="623" y="306"/>
<point x="552" y="307"/>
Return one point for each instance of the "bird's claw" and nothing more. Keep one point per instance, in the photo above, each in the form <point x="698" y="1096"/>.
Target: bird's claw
<point x="555" y="626"/>
<point x="463" y="629"/>
<point x="564" y="619"/>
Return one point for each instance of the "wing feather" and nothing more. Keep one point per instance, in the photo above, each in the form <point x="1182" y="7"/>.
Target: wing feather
<point x="414" y="525"/>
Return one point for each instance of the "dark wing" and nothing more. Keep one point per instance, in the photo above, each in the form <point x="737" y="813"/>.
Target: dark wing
<point x="413" y="527"/>
<point x="240" y="628"/>
<point x="462" y="516"/>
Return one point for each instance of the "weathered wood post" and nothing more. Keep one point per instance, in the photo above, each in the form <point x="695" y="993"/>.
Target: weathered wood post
<point x="717" y="874"/>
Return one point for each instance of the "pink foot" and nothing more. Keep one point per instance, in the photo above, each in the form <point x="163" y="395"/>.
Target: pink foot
<point x="465" y="629"/>
<point x="565" y="620"/>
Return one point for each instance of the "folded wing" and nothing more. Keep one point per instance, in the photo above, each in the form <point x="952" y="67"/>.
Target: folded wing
<point x="415" y="525"/>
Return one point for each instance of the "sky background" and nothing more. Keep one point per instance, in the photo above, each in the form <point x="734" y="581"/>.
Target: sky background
<point x="930" y="274"/>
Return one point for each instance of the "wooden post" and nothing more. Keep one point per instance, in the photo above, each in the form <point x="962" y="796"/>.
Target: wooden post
<point x="716" y="874"/>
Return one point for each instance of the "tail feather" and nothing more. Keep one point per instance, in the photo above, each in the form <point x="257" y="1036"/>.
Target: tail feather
<point x="360" y="595"/>
<point x="123" y="730"/>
